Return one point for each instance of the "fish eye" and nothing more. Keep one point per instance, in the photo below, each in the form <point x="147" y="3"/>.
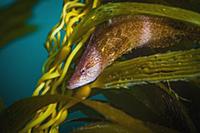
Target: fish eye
<point x="82" y="71"/>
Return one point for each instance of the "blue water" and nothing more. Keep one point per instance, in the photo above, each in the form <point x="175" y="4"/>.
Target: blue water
<point x="22" y="59"/>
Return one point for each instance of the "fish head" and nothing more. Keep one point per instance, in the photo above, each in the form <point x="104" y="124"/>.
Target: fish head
<point x="87" y="70"/>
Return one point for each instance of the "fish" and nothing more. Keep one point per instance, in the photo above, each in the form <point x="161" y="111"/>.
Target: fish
<point x="124" y="33"/>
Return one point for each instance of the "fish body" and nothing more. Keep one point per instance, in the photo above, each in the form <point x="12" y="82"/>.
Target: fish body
<point x="122" y="34"/>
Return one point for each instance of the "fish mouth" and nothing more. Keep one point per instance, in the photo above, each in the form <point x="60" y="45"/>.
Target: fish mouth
<point x="72" y="85"/>
<point x="76" y="84"/>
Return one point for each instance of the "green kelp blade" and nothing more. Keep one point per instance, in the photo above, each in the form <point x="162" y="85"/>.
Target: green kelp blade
<point x="107" y="11"/>
<point x="18" y="114"/>
<point x="101" y="127"/>
<point x="171" y="66"/>
<point x="123" y="119"/>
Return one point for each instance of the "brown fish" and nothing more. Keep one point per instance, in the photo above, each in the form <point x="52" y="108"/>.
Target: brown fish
<point x="122" y="34"/>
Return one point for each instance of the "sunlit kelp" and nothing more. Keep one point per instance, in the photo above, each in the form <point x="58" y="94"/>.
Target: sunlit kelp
<point x="54" y="69"/>
<point x="13" y="20"/>
<point x="172" y="66"/>
<point x="62" y="51"/>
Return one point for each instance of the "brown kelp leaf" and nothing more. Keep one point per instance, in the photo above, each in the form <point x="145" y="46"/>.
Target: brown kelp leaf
<point x="171" y="66"/>
<point x="149" y="103"/>
<point x="121" y="118"/>
<point x="101" y="127"/>
<point x="18" y="114"/>
<point x="191" y="91"/>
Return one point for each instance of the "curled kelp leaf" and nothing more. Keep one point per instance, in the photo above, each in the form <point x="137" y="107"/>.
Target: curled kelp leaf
<point x="15" y="117"/>
<point x="171" y="66"/>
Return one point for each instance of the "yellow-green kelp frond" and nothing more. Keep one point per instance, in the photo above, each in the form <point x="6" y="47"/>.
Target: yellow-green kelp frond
<point x="57" y="65"/>
<point x="171" y="66"/>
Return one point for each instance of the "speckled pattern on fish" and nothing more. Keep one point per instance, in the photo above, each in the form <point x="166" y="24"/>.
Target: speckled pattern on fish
<point x="124" y="33"/>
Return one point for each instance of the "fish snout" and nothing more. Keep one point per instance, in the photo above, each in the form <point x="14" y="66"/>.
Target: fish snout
<point x="74" y="82"/>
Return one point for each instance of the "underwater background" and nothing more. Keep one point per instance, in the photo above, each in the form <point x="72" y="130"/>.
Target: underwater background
<point x="22" y="60"/>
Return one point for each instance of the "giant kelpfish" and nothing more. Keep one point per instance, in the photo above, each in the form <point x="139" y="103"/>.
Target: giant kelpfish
<point x="122" y="34"/>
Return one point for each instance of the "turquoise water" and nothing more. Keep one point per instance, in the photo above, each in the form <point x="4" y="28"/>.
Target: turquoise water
<point x="22" y="59"/>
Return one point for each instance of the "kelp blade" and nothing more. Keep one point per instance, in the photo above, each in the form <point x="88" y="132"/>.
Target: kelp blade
<point x="107" y="11"/>
<point x="171" y="66"/>
<point x="123" y="119"/>
<point x="17" y="115"/>
<point x="153" y="105"/>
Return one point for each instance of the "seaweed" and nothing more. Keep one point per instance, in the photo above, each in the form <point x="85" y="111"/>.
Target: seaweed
<point x="171" y="66"/>
<point x="142" y="94"/>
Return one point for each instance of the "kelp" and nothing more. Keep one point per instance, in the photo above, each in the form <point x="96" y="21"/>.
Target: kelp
<point x="171" y="66"/>
<point x="150" y="103"/>
<point x="13" y="20"/>
<point x="125" y="120"/>
<point x="185" y="4"/>
<point x="110" y="10"/>
<point x="15" y="116"/>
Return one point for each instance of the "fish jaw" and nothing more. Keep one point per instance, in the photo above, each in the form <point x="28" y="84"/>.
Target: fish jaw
<point x="76" y="83"/>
